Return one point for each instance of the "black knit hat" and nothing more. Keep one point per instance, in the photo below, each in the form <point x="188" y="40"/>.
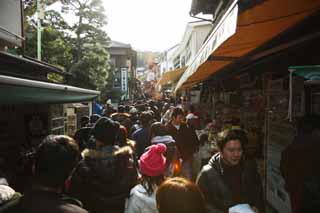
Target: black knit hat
<point x="106" y="130"/>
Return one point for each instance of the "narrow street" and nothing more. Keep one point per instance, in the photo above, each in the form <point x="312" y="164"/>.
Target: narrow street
<point x="186" y="106"/>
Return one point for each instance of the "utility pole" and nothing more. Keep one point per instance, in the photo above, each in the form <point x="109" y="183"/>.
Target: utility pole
<point x="40" y="13"/>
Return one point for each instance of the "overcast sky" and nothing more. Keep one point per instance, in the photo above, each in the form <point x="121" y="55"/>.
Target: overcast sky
<point x="153" y="25"/>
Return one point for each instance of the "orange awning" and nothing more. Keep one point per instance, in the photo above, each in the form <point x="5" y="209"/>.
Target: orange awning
<point x="171" y="76"/>
<point x="255" y="27"/>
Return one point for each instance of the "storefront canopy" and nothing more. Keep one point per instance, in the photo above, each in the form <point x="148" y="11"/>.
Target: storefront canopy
<point x="255" y="27"/>
<point x="310" y="73"/>
<point x="171" y="76"/>
<point x="22" y="91"/>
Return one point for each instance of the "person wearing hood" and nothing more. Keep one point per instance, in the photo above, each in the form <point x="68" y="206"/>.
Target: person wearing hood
<point x="152" y="166"/>
<point x="229" y="178"/>
<point x="105" y="175"/>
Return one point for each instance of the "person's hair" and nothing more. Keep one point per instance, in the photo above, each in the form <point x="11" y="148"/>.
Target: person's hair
<point x="94" y="118"/>
<point x="84" y="121"/>
<point x="203" y="138"/>
<point x="192" y="109"/>
<point x="207" y="120"/>
<point x="127" y="108"/>
<point x="158" y="129"/>
<point x="122" y="136"/>
<point x="229" y="135"/>
<point x="179" y="195"/>
<point x="121" y="109"/>
<point x="150" y="183"/>
<point x="106" y="130"/>
<point x="55" y="159"/>
<point x="145" y="118"/>
<point x="177" y="111"/>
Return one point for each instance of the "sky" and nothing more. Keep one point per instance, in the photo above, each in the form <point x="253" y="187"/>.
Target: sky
<point x="148" y="25"/>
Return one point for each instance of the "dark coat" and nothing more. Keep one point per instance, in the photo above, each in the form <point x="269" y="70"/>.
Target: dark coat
<point x="218" y="194"/>
<point x="103" y="179"/>
<point x="186" y="140"/>
<point x="142" y="139"/>
<point x="36" y="201"/>
<point x="299" y="165"/>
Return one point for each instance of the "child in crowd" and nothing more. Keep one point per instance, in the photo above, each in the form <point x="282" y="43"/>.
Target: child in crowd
<point x="152" y="165"/>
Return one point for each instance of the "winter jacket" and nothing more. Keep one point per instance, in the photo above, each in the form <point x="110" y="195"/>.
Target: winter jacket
<point x="103" y="179"/>
<point x="140" y="201"/>
<point x="299" y="165"/>
<point x="218" y="194"/>
<point x="186" y="140"/>
<point x="38" y="201"/>
<point x="142" y="139"/>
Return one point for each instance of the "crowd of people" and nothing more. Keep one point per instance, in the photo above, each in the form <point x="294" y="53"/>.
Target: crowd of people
<point x="139" y="158"/>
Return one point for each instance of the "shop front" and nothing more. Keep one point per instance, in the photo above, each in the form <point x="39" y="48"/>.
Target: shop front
<point x="245" y="83"/>
<point x="31" y="108"/>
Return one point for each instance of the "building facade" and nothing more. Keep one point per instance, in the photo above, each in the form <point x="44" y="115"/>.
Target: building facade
<point x="123" y="62"/>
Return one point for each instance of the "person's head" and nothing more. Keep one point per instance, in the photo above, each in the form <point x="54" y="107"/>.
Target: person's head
<point x="122" y="136"/>
<point x="157" y="129"/>
<point x="203" y="138"/>
<point x="84" y="121"/>
<point x="105" y="131"/>
<point x="231" y="147"/>
<point x="145" y="118"/>
<point x="94" y="118"/>
<point x="121" y="109"/>
<point x="152" y="166"/>
<point x="178" y="195"/>
<point x="127" y="108"/>
<point x="177" y="116"/>
<point x="55" y="159"/>
<point x="192" y="109"/>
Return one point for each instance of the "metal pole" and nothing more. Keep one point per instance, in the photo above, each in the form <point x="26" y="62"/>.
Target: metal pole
<point x="39" y="31"/>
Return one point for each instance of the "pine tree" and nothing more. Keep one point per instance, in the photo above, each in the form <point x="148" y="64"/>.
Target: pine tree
<point x="90" y="53"/>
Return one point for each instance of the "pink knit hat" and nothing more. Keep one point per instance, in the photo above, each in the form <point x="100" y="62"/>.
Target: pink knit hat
<point x="153" y="163"/>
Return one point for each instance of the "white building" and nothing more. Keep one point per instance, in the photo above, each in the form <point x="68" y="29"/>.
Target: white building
<point x="181" y="55"/>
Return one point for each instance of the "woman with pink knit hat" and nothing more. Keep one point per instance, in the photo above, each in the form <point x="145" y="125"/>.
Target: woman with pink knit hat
<point x="152" y="166"/>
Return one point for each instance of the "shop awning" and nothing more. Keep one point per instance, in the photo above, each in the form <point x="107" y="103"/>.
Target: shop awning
<point x="311" y="72"/>
<point x="171" y="76"/>
<point x="22" y="91"/>
<point x="255" y="27"/>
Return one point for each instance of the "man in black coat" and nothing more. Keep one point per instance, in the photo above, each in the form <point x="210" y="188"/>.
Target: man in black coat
<point x="105" y="175"/>
<point x="186" y="140"/>
<point x="229" y="179"/>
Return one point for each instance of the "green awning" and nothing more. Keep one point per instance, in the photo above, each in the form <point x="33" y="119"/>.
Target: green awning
<point x="311" y="72"/>
<point x="22" y="91"/>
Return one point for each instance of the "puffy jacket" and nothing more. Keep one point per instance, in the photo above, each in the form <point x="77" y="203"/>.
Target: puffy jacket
<point x="39" y="201"/>
<point x="103" y="179"/>
<point x="140" y="201"/>
<point x="218" y="194"/>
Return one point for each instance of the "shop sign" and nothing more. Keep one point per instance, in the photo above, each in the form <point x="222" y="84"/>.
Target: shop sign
<point x="11" y="22"/>
<point x="124" y="79"/>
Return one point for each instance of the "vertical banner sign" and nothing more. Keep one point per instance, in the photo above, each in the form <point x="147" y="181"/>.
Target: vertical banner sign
<point x="124" y="79"/>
